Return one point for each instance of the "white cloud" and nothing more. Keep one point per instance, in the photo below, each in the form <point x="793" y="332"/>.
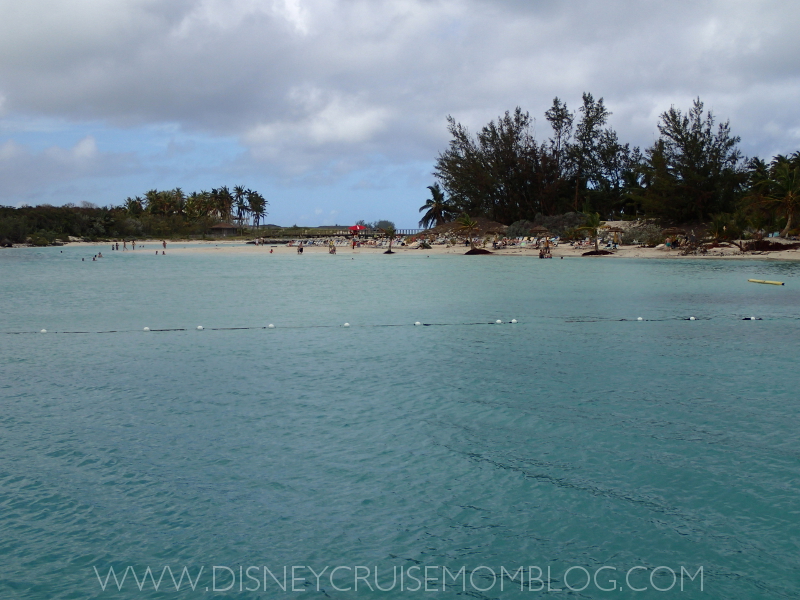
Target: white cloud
<point x="85" y="149"/>
<point x="9" y="150"/>
<point x="318" y="121"/>
<point x="26" y="173"/>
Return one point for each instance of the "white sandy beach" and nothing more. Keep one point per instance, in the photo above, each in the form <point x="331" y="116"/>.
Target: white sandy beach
<point x="559" y="252"/>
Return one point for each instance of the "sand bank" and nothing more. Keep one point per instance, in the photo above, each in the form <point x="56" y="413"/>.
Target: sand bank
<point x="564" y="250"/>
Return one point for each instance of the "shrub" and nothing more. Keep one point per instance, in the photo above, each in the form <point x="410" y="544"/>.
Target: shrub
<point x="519" y="229"/>
<point x="560" y="224"/>
<point x="14" y="229"/>
<point x="39" y="240"/>
<point x="648" y="234"/>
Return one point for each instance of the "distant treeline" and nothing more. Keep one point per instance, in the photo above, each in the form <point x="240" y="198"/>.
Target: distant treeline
<point x="694" y="172"/>
<point x="156" y="214"/>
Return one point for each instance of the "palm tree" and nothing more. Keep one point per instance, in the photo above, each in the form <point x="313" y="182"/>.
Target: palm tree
<point x="206" y="203"/>
<point x="134" y="206"/>
<point x="390" y="232"/>
<point x="239" y="194"/>
<point x="591" y="225"/>
<point x="223" y="201"/>
<point x="241" y="212"/>
<point x="468" y="226"/>
<point x="780" y="188"/>
<point x="153" y="201"/>
<point x="257" y="205"/>
<point x="718" y="227"/>
<point x="179" y="201"/>
<point x="439" y="210"/>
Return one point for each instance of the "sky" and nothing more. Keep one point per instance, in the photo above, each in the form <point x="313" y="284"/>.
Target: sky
<point x="335" y="110"/>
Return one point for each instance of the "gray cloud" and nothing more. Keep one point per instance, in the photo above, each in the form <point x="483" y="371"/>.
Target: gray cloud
<point x="39" y="176"/>
<point x="331" y="84"/>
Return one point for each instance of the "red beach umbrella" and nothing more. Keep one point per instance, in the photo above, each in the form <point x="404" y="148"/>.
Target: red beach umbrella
<point x="357" y="228"/>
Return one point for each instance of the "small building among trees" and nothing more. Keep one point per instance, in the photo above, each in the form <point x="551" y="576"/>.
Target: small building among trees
<point x="223" y="229"/>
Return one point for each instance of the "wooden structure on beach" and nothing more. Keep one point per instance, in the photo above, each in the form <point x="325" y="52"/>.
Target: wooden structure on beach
<point x="224" y="229"/>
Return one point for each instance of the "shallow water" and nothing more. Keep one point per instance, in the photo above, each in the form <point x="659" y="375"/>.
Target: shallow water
<point x="576" y="438"/>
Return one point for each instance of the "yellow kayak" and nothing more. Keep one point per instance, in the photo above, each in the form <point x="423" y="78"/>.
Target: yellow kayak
<point x="765" y="281"/>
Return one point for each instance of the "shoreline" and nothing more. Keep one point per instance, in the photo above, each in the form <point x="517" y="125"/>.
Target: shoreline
<point x="562" y="251"/>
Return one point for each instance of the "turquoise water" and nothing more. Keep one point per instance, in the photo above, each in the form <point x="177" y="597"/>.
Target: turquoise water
<point x="577" y="438"/>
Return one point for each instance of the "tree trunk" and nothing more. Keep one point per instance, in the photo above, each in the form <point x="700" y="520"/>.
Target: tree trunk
<point x="785" y="232"/>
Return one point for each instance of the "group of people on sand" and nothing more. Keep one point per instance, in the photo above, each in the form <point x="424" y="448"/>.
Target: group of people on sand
<point x="680" y="240"/>
<point x="115" y="246"/>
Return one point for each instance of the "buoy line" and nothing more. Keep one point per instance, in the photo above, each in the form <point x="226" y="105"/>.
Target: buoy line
<point x="270" y="326"/>
<point x="348" y="325"/>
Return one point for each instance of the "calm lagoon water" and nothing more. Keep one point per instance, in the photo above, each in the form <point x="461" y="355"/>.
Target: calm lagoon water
<point x="577" y="438"/>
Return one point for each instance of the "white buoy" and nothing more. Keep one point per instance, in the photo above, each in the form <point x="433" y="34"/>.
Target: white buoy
<point x="271" y="326"/>
<point x="498" y="321"/>
<point x="43" y="331"/>
<point x="347" y="324"/>
<point x="513" y="320"/>
<point x="199" y="328"/>
<point x="417" y="323"/>
<point x="640" y="319"/>
<point x="691" y="318"/>
<point x="146" y="329"/>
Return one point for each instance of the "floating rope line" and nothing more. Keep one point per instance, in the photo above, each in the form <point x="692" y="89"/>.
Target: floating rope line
<point x="347" y="325"/>
<point x="270" y="326"/>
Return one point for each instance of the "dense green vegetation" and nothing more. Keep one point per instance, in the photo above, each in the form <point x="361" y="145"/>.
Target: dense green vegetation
<point x="161" y="214"/>
<point x="693" y="173"/>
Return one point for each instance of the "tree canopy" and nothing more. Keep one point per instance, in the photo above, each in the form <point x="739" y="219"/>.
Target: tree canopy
<point x="503" y="173"/>
<point x="158" y="213"/>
